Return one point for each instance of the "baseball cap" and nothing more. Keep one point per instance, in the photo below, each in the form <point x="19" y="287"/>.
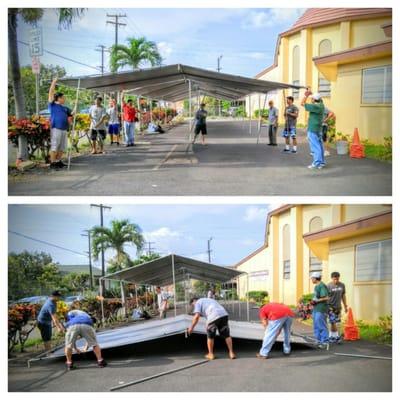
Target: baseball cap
<point x="316" y="275"/>
<point x="56" y="293"/>
<point x="316" y="96"/>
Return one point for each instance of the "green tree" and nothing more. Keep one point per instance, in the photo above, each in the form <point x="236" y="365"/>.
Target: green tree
<point x="137" y="53"/>
<point x="121" y="233"/>
<point x="50" y="277"/>
<point x="31" y="16"/>
<point x="76" y="282"/>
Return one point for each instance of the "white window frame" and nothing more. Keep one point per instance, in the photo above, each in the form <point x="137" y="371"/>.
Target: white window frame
<point x="385" y="68"/>
<point x="286" y="269"/>
<point x="378" y="279"/>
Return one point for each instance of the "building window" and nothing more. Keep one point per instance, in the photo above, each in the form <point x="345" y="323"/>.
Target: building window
<point x="377" y="85"/>
<point x="315" y="264"/>
<point x="324" y="86"/>
<point x="296" y="70"/>
<point x="286" y="251"/>
<point x="374" y="261"/>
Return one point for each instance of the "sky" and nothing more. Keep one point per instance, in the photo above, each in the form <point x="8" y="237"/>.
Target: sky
<point x="245" y="38"/>
<point x="236" y="230"/>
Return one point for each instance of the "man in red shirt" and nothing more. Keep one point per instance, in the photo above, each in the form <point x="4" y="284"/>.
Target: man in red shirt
<point x="129" y="118"/>
<point x="275" y="317"/>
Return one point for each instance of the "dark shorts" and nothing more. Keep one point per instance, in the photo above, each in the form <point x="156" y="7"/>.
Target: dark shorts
<point x="324" y="133"/>
<point x="113" y="129"/>
<point x="97" y="132"/>
<point x="221" y="325"/>
<point x="45" y="331"/>
<point x="334" y="315"/>
<point x="200" y="128"/>
<point x="289" y="132"/>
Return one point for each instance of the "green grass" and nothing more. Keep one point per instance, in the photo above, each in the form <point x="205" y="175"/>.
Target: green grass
<point x="374" y="333"/>
<point x="377" y="152"/>
<point x="28" y="343"/>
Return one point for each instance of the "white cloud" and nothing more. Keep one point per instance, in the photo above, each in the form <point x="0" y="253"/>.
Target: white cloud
<point x="161" y="233"/>
<point x="257" y="55"/>
<point x="165" y="49"/>
<point x="255" y="213"/>
<point x="271" y="17"/>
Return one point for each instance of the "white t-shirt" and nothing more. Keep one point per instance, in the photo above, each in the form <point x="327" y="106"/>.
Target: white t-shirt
<point x="210" y="309"/>
<point x="162" y="298"/>
<point x="113" y="114"/>
<point x="96" y="114"/>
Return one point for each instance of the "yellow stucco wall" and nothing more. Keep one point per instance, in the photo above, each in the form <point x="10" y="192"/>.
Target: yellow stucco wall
<point x="373" y="121"/>
<point x="341" y="258"/>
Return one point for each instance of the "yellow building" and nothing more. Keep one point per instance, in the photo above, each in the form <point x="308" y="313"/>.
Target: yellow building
<point x="354" y="240"/>
<point x="346" y="55"/>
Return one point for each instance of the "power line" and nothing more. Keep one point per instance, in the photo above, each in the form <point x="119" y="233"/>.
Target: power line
<point x="46" y="243"/>
<point x="63" y="57"/>
<point x="150" y="249"/>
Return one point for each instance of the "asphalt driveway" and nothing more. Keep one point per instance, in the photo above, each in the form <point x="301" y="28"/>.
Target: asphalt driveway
<point x="232" y="164"/>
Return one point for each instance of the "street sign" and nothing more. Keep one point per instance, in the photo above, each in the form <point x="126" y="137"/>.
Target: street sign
<point x="36" y="65"/>
<point x="35" y="42"/>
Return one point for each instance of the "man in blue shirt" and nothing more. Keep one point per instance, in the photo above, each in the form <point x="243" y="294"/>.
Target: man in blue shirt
<point x="59" y="123"/>
<point x="47" y="316"/>
<point x="80" y="324"/>
<point x="217" y="320"/>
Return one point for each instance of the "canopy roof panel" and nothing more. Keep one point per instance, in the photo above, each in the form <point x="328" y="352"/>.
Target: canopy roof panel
<point x="171" y="83"/>
<point x="159" y="272"/>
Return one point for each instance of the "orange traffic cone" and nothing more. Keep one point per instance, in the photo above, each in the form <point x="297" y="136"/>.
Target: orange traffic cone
<point x="351" y="330"/>
<point x="356" y="148"/>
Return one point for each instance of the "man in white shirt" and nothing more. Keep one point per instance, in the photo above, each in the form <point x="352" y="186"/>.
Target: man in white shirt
<point x="162" y="302"/>
<point x="217" y="320"/>
<point x="113" y="122"/>
<point x="98" y="116"/>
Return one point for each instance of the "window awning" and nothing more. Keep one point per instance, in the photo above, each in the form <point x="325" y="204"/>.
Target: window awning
<point x="171" y="82"/>
<point x="160" y="272"/>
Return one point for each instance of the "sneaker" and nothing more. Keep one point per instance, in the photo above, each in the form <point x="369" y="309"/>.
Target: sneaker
<point x="287" y="354"/>
<point x="294" y="151"/>
<point x="286" y="151"/>
<point x="326" y="153"/>
<point x="332" y="340"/>
<point x="101" y="364"/>
<point x="61" y="164"/>
<point x="261" y="357"/>
<point x="323" y="346"/>
<point x="312" y="166"/>
<point x="54" y="165"/>
<point x="70" y="366"/>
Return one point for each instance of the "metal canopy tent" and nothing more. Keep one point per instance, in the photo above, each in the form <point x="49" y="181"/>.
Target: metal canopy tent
<point x="178" y="82"/>
<point x="171" y="269"/>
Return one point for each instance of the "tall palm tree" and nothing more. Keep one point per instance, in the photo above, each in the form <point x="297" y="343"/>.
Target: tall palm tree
<point x="138" y="52"/>
<point x="31" y="16"/>
<point x="121" y="233"/>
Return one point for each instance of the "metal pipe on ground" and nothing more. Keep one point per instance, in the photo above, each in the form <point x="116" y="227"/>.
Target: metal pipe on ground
<point x="363" y="356"/>
<point x="171" y="371"/>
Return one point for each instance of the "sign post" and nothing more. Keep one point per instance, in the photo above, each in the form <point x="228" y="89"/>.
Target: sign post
<point x="36" y="51"/>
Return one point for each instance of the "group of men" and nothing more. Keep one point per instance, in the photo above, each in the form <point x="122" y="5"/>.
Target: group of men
<point x="317" y="129"/>
<point x="100" y="117"/>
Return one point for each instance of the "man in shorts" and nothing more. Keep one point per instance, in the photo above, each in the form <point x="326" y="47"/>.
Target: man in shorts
<point x="328" y="116"/>
<point x="113" y="122"/>
<point x="337" y="296"/>
<point x="59" y="123"/>
<point x="291" y="114"/>
<point x="273" y="114"/>
<point x="98" y="116"/>
<point x="80" y="325"/>
<point x="162" y="302"/>
<point x="217" y="320"/>
<point x="47" y="316"/>
<point x="200" y="124"/>
<point x="275" y="317"/>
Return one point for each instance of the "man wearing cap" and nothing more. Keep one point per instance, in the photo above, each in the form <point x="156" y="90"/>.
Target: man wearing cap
<point x="320" y="310"/>
<point x="47" y="316"/>
<point x="200" y="125"/>
<point x="275" y="317"/>
<point x="273" y="114"/>
<point x="217" y="320"/>
<point x="314" y="128"/>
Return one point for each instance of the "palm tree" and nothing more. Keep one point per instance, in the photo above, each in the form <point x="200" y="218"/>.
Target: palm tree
<point x="122" y="232"/>
<point x="138" y="52"/>
<point x="31" y="16"/>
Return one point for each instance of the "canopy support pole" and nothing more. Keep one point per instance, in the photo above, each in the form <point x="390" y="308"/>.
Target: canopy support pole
<point x="136" y="297"/>
<point x="102" y="300"/>
<point x="240" y="305"/>
<point x="190" y="110"/>
<point x="259" y="129"/>
<point x="247" y="298"/>
<point x="173" y="280"/>
<point x="73" y="123"/>
<point x="250" y="115"/>
<point x="259" y="113"/>
<point x="123" y="299"/>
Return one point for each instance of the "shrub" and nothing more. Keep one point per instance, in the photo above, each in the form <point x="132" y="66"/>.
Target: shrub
<point x="264" y="113"/>
<point x="257" y="296"/>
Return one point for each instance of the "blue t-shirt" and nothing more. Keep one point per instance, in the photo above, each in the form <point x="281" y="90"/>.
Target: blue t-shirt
<point x="48" y="308"/>
<point x="59" y="116"/>
<point x="76" y="317"/>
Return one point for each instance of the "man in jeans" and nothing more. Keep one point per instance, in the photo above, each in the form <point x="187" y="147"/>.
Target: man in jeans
<point x="328" y="116"/>
<point x="275" y="317"/>
<point x="129" y="118"/>
<point x="47" y="316"/>
<point x="80" y="324"/>
<point x="320" y="310"/>
<point x="314" y="128"/>
<point x="217" y="320"/>
<point x="273" y="123"/>
<point x="337" y="296"/>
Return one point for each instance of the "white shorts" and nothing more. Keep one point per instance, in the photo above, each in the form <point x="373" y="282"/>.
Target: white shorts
<point x="84" y="331"/>
<point x="58" y="140"/>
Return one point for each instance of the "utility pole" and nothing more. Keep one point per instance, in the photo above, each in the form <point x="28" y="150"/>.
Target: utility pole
<point x="102" y="208"/>
<point x="209" y="249"/>
<point x="87" y="234"/>
<point x="219" y="70"/>
<point x="102" y="49"/>
<point x="116" y="23"/>
<point x="150" y="249"/>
